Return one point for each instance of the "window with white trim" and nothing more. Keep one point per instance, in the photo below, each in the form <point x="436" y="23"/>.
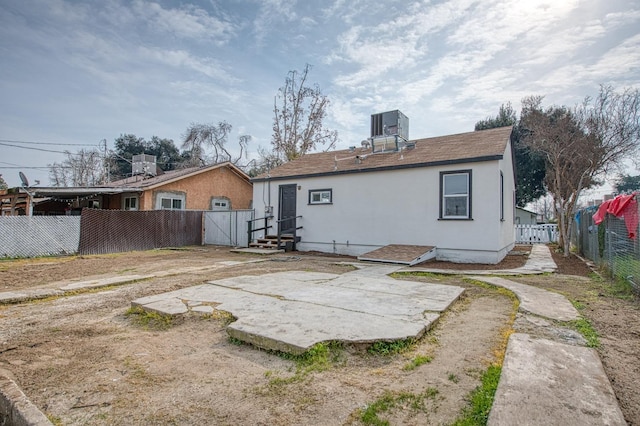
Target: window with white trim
<point x="320" y="196"/>
<point x="455" y="195"/>
<point x="130" y="203"/>
<point x="220" y="203"/>
<point x="170" y="201"/>
<point x="171" y="204"/>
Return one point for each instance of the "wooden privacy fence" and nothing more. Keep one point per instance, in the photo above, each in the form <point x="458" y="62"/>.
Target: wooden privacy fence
<point x="113" y="231"/>
<point x="534" y="234"/>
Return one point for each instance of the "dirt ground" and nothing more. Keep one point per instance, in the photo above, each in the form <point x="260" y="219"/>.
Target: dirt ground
<point x="82" y="360"/>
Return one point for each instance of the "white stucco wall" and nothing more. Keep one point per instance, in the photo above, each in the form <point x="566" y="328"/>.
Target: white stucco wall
<point x="373" y="209"/>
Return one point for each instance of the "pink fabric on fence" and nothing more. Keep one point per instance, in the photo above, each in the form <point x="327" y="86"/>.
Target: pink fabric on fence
<point x="625" y="206"/>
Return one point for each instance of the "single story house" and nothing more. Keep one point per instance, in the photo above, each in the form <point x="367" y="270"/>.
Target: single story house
<point x="217" y="187"/>
<point x="526" y="217"/>
<point x="453" y="193"/>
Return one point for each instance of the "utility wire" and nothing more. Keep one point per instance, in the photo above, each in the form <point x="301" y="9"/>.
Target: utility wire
<point x="34" y="167"/>
<point x="48" y="143"/>
<point x="37" y="149"/>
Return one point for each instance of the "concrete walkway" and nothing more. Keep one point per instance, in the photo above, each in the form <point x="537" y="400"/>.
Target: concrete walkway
<point x="544" y="381"/>
<point x="70" y="286"/>
<point x="536" y="300"/>
<point x="550" y="383"/>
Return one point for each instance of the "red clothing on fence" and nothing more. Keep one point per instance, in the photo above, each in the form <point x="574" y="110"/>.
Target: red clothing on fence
<point x="624" y="206"/>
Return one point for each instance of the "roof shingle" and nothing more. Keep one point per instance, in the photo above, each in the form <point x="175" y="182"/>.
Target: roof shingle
<point x="474" y="146"/>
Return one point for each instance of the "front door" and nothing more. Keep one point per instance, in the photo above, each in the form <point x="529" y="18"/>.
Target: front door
<point x="287" y="209"/>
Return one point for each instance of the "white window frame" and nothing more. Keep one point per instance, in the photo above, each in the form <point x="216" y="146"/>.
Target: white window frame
<point x="129" y="199"/>
<point x="321" y="196"/>
<point x="172" y="198"/>
<point x="444" y="196"/>
<point x="217" y="204"/>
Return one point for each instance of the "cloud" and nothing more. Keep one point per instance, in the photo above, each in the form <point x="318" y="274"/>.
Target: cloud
<point x="188" y="21"/>
<point x="271" y="14"/>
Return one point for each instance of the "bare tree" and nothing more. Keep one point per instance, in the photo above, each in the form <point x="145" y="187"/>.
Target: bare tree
<point x="299" y="113"/>
<point x="84" y="168"/>
<point x="580" y="145"/>
<point x="199" y="137"/>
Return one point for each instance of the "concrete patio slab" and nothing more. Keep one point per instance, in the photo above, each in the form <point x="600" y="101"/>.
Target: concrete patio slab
<point x="292" y="311"/>
<point x="549" y="383"/>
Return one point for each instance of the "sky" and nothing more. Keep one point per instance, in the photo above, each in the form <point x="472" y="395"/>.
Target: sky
<point x="74" y="73"/>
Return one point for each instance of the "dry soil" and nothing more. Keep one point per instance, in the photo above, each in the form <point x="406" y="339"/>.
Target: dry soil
<point x="82" y="360"/>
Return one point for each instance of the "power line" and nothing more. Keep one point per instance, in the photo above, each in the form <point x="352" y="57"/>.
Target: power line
<point x="34" y="167"/>
<point x="37" y="149"/>
<point x="48" y="143"/>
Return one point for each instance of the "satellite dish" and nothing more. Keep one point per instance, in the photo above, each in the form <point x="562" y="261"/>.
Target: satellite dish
<point x="23" y="178"/>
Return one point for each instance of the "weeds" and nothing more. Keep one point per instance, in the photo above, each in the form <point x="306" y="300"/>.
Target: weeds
<point x="55" y="420"/>
<point x="584" y="327"/>
<point x="423" y="274"/>
<point x="320" y="357"/>
<point x="390" y="400"/>
<point x="391" y="348"/>
<point x="149" y="319"/>
<point x="417" y="362"/>
<point x="481" y="399"/>
<point x="453" y="378"/>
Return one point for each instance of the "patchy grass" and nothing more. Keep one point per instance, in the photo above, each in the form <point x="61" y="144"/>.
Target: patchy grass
<point x="320" y="357"/>
<point x="621" y="288"/>
<point x="481" y="399"/>
<point x="417" y="362"/>
<point x="235" y="341"/>
<point x="223" y="316"/>
<point x="389" y="400"/>
<point x="578" y="304"/>
<point x="423" y="274"/>
<point x="391" y="348"/>
<point x="453" y="378"/>
<point x="148" y="319"/>
<point x="55" y="420"/>
<point x="584" y="327"/>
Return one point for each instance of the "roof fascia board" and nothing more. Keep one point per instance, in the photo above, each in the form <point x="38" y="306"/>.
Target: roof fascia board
<point x="194" y="173"/>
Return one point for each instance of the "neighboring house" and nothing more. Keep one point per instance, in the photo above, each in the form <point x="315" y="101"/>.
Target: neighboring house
<point x="526" y="217"/>
<point x="218" y="187"/>
<point x="455" y="193"/>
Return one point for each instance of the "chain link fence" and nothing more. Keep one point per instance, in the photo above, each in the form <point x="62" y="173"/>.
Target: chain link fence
<point x="31" y="236"/>
<point x="611" y="244"/>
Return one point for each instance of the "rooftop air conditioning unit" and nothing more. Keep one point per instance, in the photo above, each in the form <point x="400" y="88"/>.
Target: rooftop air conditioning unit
<point x="390" y="123"/>
<point x="389" y="131"/>
<point x="143" y="164"/>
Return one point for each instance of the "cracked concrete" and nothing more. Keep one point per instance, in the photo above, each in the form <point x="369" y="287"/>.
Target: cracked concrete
<point x="292" y="311"/>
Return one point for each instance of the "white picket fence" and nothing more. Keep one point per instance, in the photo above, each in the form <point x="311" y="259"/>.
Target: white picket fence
<point x="535" y="234"/>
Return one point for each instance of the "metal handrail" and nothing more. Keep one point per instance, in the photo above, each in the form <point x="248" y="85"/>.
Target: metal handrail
<point x="251" y="230"/>
<point x="286" y="231"/>
<point x="287" y="218"/>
